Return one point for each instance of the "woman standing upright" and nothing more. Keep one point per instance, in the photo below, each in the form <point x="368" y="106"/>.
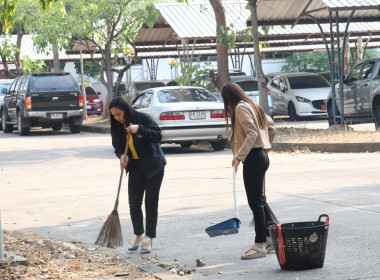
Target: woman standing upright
<point x="252" y="134"/>
<point x="145" y="163"/>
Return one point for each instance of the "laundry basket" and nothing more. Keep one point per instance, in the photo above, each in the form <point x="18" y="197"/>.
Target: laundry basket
<point x="300" y="245"/>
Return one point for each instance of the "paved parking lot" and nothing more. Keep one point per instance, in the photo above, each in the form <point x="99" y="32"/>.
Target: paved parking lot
<point x="63" y="185"/>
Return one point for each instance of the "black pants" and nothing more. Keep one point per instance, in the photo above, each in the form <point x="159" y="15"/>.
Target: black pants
<point x="137" y="185"/>
<point x="254" y="168"/>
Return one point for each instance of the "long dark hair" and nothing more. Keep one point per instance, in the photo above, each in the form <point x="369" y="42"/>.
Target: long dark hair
<point x="117" y="129"/>
<point x="232" y="94"/>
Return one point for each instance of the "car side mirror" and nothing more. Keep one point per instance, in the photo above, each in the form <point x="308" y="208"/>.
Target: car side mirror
<point x="283" y="88"/>
<point x="4" y="90"/>
<point x="98" y="93"/>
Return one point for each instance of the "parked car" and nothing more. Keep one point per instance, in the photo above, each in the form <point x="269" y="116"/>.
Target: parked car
<point x="42" y="100"/>
<point x="140" y="86"/>
<point x="299" y="95"/>
<point x="94" y="104"/>
<point x="5" y="84"/>
<point x="186" y="115"/>
<point x="361" y="95"/>
<point x="249" y="85"/>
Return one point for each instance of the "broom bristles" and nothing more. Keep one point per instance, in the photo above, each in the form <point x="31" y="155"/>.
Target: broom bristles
<point x="110" y="234"/>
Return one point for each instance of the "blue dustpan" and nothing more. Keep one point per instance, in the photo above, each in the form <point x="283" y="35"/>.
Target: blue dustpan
<point x="230" y="226"/>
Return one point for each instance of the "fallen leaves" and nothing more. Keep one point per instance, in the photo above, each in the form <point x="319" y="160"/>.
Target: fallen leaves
<point x="32" y="256"/>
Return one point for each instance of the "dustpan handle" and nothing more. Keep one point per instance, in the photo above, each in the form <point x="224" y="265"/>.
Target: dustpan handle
<point x="235" y="192"/>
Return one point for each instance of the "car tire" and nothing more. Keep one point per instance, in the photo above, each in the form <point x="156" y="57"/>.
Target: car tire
<point x="7" y="128"/>
<point x="377" y="118"/>
<point x="219" y="145"/>
<point x="57" y="126"/>
<point x="292" y="112"/>
<point x="74" y="128"/>
<point x="23" y="128"/>
<point x="330" y="117"/>
<point x="185" y="145"/>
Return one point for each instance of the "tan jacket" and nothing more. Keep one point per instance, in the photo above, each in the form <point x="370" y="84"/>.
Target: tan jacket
<point x="247" y="135"/>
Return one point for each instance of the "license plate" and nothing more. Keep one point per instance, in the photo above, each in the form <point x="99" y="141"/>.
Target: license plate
<point x="88" y="106"/>
<point x="56" y="116"/>
<point x="196" y="115"/>
<point x="323" y="107"/>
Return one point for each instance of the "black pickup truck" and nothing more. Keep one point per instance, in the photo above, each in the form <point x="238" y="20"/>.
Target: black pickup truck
<point x="42" y="100"/>
<point x="361" y="95"/>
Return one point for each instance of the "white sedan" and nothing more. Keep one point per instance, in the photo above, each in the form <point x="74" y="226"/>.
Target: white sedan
<point x="299" y="95"/>
<point x="186" y="115"/>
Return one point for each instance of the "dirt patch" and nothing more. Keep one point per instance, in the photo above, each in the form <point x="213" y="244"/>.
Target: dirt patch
<point x="32" y="256"/>
<point x="294" y="135"/>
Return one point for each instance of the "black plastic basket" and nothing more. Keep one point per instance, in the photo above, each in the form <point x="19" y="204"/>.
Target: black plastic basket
<point x="303" y="244"/>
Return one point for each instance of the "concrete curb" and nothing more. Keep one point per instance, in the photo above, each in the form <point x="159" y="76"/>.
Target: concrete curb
<point x="291" y="147"/>
<point x="327" y="147"/>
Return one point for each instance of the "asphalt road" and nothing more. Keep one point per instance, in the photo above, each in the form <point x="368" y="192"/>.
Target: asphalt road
<point x="64" y="185"/>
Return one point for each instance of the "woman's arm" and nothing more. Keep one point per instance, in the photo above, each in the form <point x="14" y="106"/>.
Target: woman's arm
<point x="149" y="129"/>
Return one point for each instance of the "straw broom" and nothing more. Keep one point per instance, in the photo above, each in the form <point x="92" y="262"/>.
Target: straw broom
<point x="110" y="234"/>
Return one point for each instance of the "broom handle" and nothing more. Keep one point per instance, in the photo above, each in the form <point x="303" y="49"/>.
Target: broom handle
<point x="235" y="192"/>
<point x="121" y="173"/>
<point x="270" y="210"/>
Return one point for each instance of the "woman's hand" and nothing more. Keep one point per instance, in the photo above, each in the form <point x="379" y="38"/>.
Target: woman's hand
<point x="123" y="164"/>
<point x="235" y="163"/>
<point x="133" y="128"/>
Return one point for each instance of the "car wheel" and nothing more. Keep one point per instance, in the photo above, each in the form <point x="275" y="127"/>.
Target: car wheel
<point x="292" y="112"/>
<point x="330" y="115"/>
<point x="57" y="126"/>
<point x="74" y="128"/>
<point x="185" y="145"/>
<point x="23" y="128"/>
<point x="377" y="118"/>
<point x="219" y="145"/>
<point x="7" y="128"/>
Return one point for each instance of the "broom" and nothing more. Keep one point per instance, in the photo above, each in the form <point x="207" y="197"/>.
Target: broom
<point x="110" y="234"/>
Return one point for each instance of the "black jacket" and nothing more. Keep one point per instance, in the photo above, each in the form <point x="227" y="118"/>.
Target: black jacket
<point x="146" y="142"/>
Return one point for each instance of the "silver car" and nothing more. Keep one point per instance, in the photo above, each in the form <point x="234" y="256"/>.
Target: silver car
<point x="186" y="115"/>
<point x="299" y="95"/>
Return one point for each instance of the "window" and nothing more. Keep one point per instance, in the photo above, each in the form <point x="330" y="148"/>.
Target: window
<point x="52" y="82"/>
<point x="137" y="101"/>
<point x="367" y="70"/>
<point x="312" y="81"/>
<point x="249" y="85"/>
<point x="275" y="83"/>
<point x="26" y="81"/>
<point x="13" y="87"/>
<point x="185" y="95"/>
<point x="146" y="99"/>
<point x="355" y="73"/>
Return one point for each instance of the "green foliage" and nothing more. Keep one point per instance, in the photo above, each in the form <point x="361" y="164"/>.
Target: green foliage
<point x="148" y="14"/>
<point x="8" y="50"/>
<point x="192" y="74"/>
<point x="33" y="66"/>
<point x="90" y="69"/>
<point x="371" y="53"/>
<point x="307" y="61"/>
<point x="226" y="36"/>
<point x="9" y="8"/>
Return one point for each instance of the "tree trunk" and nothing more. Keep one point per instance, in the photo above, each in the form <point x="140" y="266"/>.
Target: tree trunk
<point x="108" y="82"/>
<point x="259" y="70"/>
<point x="18" y="43"/>
<point x="347" y="53"/>
<point x="56" y="59"/>
<point x="359" y="50"/>
<point x="221" y="50"/>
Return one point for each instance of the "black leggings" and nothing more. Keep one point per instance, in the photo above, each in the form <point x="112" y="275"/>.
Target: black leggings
<point x="137" y="185"/>
<point x="254" y="168"/>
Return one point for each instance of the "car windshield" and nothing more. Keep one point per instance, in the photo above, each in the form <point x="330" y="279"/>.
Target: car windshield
<point x="250" y="85"/>
<point x="7" y="86"/>
<point x="149" y="85"/>
<point x="185" y="95"/>
<point x="299" y="82"/>
<point x="53" y="82"/>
